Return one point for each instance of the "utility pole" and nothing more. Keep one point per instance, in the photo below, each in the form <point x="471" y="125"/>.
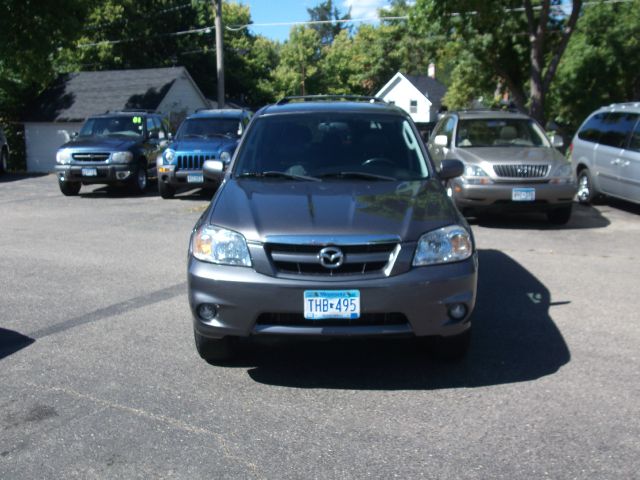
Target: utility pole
<point x="217" y="8"/>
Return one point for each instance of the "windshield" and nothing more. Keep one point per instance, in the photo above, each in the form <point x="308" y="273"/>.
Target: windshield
<point x="491" y="132"/>
<point x="333" y="145"/>
<point x="209" y="127"/>
<point x="109" y="126"/>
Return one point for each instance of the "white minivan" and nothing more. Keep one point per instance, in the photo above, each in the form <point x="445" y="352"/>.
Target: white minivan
<point x="605" y="153"/>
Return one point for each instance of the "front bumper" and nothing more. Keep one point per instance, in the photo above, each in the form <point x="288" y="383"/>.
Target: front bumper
<point x="499" y="195"/>
<point x="104" y="173"/>
<point x="242" y="296"/>
<point x="185" y="178"/>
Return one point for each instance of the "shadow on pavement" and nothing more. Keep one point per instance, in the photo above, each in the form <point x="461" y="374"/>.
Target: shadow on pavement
<point x="514" y="340"/>
<point x="11" y="342"/>
<point x="633" y="208"/>
<point x="582" y="217"/>
<point x="15" y="177"/>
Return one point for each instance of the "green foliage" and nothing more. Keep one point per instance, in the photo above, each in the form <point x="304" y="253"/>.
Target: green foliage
<point x="601" y="64"/>
<point x="297" y="72"/>
<point x="327" y="11"/>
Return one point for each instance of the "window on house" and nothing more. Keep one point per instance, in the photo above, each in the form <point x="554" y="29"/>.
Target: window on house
<point x="413" y="106"/>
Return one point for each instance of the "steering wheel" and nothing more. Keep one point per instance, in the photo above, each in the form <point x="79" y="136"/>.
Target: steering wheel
<point x="375" y="160"/>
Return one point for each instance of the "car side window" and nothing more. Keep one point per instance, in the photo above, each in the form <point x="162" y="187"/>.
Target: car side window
<point x="634" y="142"/>
<point x="592" y="130"/>
<point x="616" y="128"/>
<point x="160" y="128"/>
<point x="152" y="128"/>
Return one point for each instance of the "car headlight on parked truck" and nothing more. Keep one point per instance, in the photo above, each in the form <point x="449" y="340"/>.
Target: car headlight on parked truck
<point x="562" y="174"/>
<point x="169" y="155"/>
<point x="474" y="174"/>
<point x="63" y="157"/>
<point x="221" y="246"/>
<point x="445" y="245"/>
<point x="225" y="157"/>
<point x="121" y="157"/>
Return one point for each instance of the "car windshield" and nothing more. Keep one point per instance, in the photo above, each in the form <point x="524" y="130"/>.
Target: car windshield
<point x="336" y="146"/>
<point x="110" y="126"/>
<point x="209" y="127"/>
<point x="493" y="132"/>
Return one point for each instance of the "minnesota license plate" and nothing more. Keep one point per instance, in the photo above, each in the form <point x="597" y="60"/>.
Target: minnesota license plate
<point x="322" y="304"/>
<point x="523" y="194"/>
<point x="195" y="178"/>
<point x="89" y="172"/>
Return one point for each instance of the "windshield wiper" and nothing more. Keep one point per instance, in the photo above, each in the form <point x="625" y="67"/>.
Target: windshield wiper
<point x="276" y="174"/>
<point x="358" y="175"/>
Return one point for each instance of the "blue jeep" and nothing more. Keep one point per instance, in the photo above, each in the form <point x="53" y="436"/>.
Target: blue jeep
<point x="205" y="135"/>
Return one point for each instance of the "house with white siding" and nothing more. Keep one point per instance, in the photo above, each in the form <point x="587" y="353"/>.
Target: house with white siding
<point x="418" y="95"/>
<point x="64" y="106"/>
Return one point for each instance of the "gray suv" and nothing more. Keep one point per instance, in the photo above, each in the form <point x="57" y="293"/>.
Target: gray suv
<point x="605" y="153"/>
<point x="331" y="220"/>
<point x="510" y="164"/>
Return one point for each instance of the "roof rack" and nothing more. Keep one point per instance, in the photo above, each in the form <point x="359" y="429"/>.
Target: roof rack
<point x="329" y="98"/>
<point x="135" y="110"/>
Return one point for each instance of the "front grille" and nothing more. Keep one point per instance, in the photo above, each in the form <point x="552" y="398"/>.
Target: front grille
<point x="193" y="162"/>
<point x="90" y="157"/>
<point x="305" y="259"/>
<point x="365" y="320"/>
<point x="521" y="171"/>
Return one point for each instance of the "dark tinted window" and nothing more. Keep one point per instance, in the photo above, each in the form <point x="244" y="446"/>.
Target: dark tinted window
<point x="592" y="130"/>
<point x="634" y="143"/>
<point x="498" y="132"/>
<point x="616" y="128"/>
<point x="109" y="126"/>
<point x="209" y="127"/>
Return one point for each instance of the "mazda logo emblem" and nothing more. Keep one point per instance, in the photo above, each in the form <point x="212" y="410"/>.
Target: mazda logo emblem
<point x="331" y="257"/>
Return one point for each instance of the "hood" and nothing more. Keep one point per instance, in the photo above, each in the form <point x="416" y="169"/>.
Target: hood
<point x="259" y="208"/>
<point x="497" y="155"/>
<point x="103" y="143"/>
<point x="212" y="144"/>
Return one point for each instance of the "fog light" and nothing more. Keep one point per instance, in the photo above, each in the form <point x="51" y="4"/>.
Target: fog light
<point x="207" y="312"/>
<point x="457" y="311"/>
<point x="122" y="175"/>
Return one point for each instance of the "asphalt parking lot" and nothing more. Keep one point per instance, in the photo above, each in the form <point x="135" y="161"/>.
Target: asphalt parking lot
<point x="99" y="377"/>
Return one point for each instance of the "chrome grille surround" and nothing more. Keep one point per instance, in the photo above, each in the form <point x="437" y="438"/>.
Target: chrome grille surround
<point x="90" y="156"/>
<point x="192" y="161"/>
<point x="521" y="171"/>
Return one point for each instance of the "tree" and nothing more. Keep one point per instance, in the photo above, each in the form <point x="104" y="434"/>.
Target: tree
<point x="521" y="43"/>
<point x="601" y="59"/>
<point x="297" y="72"/>
<point x="327" y="12"/>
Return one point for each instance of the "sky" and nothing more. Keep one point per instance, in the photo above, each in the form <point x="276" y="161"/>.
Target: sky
<point x="278" y="11"/>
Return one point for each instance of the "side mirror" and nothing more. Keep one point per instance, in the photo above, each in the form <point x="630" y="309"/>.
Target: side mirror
<point x="213" y="169"/>
<point x="169" y="136"/>
<point x="450" y="169"/>
<point x="153" y="136"/>
<point x="556" y="141"/>
<point x="441" y="141"/>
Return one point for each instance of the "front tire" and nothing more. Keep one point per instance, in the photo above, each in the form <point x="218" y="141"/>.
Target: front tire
<point x="166" y="190"/>
<point x="559" y="216"/>
<point x="4" y="161"/>
<point x="586" y="191"/>
<point x="214" y="349"/>
<point x="69" y="189"/>
<point x="139" y="181"/>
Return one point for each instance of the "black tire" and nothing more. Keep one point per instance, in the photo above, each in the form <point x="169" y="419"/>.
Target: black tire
<point x="586" y="191"/>
<point x="139" y="181"/>
<point x="69" y="189"/>
<point x="166" y="190"/>
<point x="4" y="161"/>
<point x="214" y="349"/>
<point x="449" y="348"/>
<point x="559" y="216"/>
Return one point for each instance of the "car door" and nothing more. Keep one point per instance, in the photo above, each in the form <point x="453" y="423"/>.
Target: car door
<point x="616" y="127"/>
<point x="153" y="142"/>
<point x="630" y="166"/>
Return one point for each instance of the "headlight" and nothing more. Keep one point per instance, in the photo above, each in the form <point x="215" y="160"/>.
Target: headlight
<point x="221" y="246"/>
<point x="121" y="157"/>
<point x="169" y="155"/>
<point x="63" y="157"/>
<point x="445" y="245"/>
<point x="476" y="175"/>
<point x="225" y="157"/>
<point x="562" y="174"/>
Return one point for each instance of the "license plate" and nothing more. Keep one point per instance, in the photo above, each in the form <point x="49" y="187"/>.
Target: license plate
<point x="523" y="194"/>
<point x="322" y="304"/>
<point x="89" y="172"/>
<point x="195" y="178"/>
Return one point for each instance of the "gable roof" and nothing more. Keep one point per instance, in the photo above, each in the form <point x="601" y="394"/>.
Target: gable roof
<point x="76" y="96"/>
<point x="431" y="88"/>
